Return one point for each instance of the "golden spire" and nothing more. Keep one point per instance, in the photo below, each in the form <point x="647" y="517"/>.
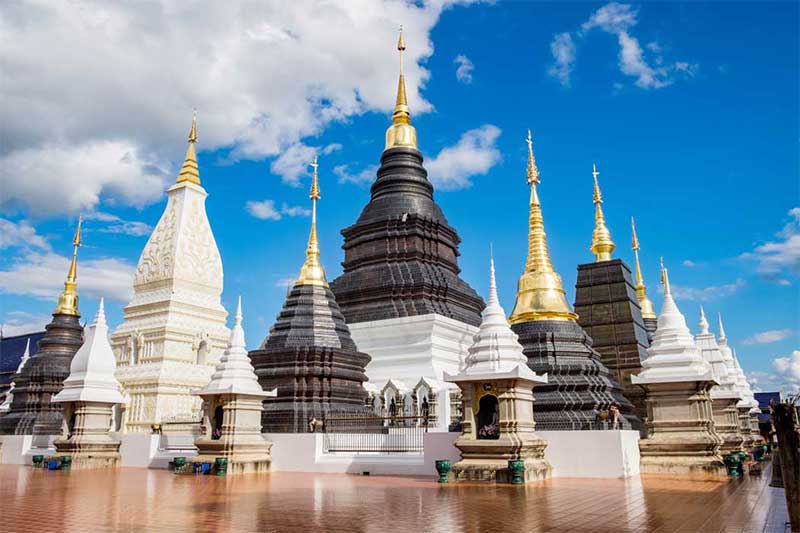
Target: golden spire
<point x="401" y="132"/>
<point x="68" y="301"/>
<point x="648" y="311"/>
<point x="312" y="273"/>
<point x="189" y="171"/>
<point x="540" y="294"/>
<point x="602" y="245"/>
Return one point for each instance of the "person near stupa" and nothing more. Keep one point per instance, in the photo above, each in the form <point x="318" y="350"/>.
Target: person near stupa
<point x="400" y="289"/>
<point x="174" y="328"/>
<point x="724" y="395"/>
<point x="309" y="356"/>
<point x="580" y="388"/>
<point x="89" y="395"/>
<point x="235" y="393"/>
<point x="497" y="391"/>
<point x="608" y="308"/>
<point x="681" y="437"/>
<point x="31" y="411"/>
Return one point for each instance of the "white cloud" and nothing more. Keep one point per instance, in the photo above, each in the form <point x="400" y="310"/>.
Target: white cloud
<point x="563" y="49"/>
<point x="20" y="234"/>
<point x="706" y="294"/>
<point x="474" y="154"/>
<point x="263" y="76"/>
<point x="42" y="275"/>
<point x="788" y="369"/>
<point x="776" y="258"/>
<point x="618" y="19"/>
<point x="295" y="211"/>
<point x="21" y="322"/>
<point x="286" y="282"/>
<point x="365" y="176"/>
<point x="689" y="263"/>
<point x="465" y="68"/>
<point x="265" y="209"/>
<point x="767" y="337"/>
<point x="116" y="224"/>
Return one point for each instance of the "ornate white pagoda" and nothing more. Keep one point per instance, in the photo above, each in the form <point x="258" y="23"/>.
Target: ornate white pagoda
<point x="174" y="327"/>
<point x="681" y="437"/>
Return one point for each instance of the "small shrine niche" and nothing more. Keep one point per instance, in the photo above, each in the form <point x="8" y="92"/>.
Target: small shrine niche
<point x="487" y="415"/>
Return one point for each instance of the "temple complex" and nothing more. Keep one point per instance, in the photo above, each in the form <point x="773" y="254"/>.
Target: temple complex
<point x="31" y="412"/>
<point x="580" y="387"/>
<point x="400" y="291"/>
<point x="89" y="395"/>
<point x="309" y="355"/>
<point x="498" y="424"/>
<point x="608" y="308"/>
<point x="724" y="395"/>
<point x="681" y="437"/>
<point x="174" y="329"/>
<point x="232" y="409"/>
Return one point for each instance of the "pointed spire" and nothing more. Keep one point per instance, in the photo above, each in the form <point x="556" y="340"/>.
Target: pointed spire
<point x="189" y="171"/>
<point x="665" y="279"/>
<point x="493" y="299"/>
<point x="602" y="245"/>
<point x="703" y="323"/>
<point x="540" y="294"/>
<point x="648" y="310"/>
<point x="68" y="301"/>
<point x="401" y="132"/>
<point x="312" y="273"/>
<point x="722" y="336"/>
<point x="100" y="317"/>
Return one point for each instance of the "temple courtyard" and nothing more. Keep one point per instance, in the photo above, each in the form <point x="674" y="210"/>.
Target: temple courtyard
<point x="131" y="499"/>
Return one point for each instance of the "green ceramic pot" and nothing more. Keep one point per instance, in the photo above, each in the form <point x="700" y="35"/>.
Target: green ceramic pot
<point x="443" y="467"/>
<point x="732" y="464"/>
<point x="66" y="462"/>
<point x="38" y="461"/>
<point x="517" y="470"/>
<point x="221" y="466"/>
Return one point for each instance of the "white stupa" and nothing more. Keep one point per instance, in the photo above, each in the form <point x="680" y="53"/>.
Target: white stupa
<point x="91" y="373"/>
<point x="673" y="355"/>
<point x="495" y="352"/>
<point x="6" y="405"/>
<point x="747" y="406"/>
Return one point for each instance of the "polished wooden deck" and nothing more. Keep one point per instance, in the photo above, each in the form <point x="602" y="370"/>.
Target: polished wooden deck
<point x="155" y="500"/>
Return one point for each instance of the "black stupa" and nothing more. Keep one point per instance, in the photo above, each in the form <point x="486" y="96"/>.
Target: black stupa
<point x="401" y="255"/>
<point x="42" y="377"/>
<point x="309" y="356"/>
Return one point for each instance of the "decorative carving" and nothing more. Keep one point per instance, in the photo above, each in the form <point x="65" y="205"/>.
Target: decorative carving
<point x="156" y="261"/>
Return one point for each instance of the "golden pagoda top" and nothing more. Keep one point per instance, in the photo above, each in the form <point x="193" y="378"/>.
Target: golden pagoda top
<point x="540" y="292"/>
<point x="602" y="245"/>
<point x="189" y="171"/>
<point x="401" y="132"/>
<point x="68" y="300"/>
<point x="312" y="272"/>
<point x="648" y="311"/>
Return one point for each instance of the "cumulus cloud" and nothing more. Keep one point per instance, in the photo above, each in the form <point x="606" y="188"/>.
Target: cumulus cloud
<point x="705" y="294"/>
<point x="775" y="259"/>
<point x="41" y="275"/>
<point x="20" y="234"/>
<point x="294" y="161"/>
<point x="788" y="369"/>
<point x="689" y="263"/>
<point x="115" y="224"/>
<point x="266" y="210"/>
<point x="473" y="155"/>
<point x="464" y="69"/>
<point x="618" y="20"/>
<point x="82" y="123"/>
<point x="21" y="322"/>
<point x="767" y="337"/>
<point x="363" y="177"/>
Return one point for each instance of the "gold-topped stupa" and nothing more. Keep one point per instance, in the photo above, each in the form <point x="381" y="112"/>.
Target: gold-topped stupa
<point x="648" y="311"/>
<point x="68" y="301"/>
<point x="540" y="293"/>
<point x="401" y="133"/>
<point x="602" y="245"/>
<point x="312" y="272"/>
<point x="189" y="171"/>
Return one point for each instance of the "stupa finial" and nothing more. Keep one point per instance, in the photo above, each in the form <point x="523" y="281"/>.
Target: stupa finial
<point x="602" y="245"/>
<point x="190" y="171"/>
<point x="401" y="132"/>
<point x="665" y="279"/>
<point x="703" y="323"/>
<point x="648" y="310"/>
<point x="312" y="273"/>
<point x="722" y="335"/>
<point x="540" y="294"/>
<point x="68" y="301"/>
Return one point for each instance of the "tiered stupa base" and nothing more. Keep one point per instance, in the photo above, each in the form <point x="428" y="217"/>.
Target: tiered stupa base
<point x="726" y="424"/>
<point x="579" y="387"/>
<point x="90" y="445"/>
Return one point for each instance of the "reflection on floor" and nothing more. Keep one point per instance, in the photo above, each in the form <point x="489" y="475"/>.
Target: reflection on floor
<point x="150" y="500"/>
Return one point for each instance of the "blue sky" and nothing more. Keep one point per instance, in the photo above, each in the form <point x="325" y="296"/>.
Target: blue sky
<point x="689" y="110"/>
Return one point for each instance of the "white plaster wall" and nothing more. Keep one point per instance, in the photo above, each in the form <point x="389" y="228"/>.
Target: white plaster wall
<point x="139" y="450"/>
<point x="15" y="449"/>
<point x="603" y="454"/>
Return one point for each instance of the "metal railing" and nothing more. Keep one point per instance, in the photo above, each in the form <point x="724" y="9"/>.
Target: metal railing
<point x="374" y="434"/>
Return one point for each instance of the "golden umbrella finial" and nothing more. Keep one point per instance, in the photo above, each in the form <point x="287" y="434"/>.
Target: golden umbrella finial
<point x="189" y="171"/>
<point x="540" y="293"/>
<point x="312" y="272"/>
<point x="401" y="133"/>
<point x="68" y="300"/>
<point x="648" y="311"/>
<point x="602" y="245"/>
